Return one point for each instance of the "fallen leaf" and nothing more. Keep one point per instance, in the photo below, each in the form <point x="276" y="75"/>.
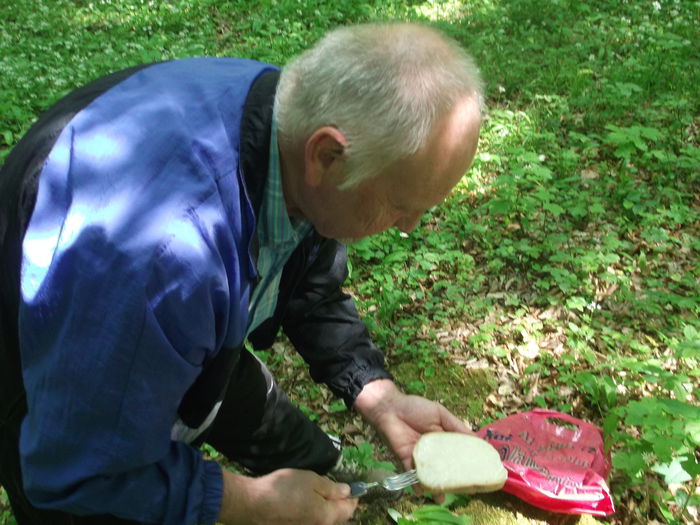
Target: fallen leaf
<point x="587" y="174"/>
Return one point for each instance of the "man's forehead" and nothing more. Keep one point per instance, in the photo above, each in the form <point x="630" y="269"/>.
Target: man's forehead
<point x="418" y="188"/>
<point x="425" y="183"/>
<point x="424" y="179"/>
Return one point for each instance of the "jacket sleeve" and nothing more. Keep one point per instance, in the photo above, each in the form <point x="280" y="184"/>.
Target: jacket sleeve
<point x="109" y="346"/>
<point x="322" y="322"/>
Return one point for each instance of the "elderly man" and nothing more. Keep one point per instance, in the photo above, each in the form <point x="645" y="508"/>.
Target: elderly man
<point x="155" y="219"/>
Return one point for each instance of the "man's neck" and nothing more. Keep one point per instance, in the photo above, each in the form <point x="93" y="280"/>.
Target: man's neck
<point x="290" y="173"/>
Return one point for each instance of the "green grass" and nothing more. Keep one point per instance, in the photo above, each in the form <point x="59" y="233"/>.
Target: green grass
<point x="563" y="272"/>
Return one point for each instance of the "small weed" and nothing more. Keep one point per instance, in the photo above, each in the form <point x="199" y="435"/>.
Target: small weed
<point x="363" y="458"/>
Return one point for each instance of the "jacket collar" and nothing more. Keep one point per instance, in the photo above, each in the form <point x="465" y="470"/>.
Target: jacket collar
<point x="255" y="135"/>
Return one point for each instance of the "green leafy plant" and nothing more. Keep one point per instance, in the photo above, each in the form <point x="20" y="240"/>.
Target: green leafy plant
<point x="363" y="457"/>
<point x="565" y="264"/>
<point x="430" y="515"/>
<point x="664" y="440"/>
<point x="6" y="517"/>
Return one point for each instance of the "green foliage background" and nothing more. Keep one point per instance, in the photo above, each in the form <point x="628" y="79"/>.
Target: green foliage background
<point x="563" y="270"/>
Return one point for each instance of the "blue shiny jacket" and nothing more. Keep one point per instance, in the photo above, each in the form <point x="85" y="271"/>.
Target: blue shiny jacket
<point x="135" y="278"/>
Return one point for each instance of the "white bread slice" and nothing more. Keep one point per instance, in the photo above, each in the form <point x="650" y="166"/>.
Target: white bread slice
<point x="458" y="463"/>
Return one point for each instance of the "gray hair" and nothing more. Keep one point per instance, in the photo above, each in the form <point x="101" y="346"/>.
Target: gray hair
<point x="384" y="86"/>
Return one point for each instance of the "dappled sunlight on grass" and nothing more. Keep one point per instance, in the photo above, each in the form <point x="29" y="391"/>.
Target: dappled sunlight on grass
<point x="502" y="130"/>
<point x="448" y="10"/>
<point x="578" y="210"/>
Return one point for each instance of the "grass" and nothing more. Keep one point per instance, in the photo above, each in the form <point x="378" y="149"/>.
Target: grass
<point x="563" y="272"/>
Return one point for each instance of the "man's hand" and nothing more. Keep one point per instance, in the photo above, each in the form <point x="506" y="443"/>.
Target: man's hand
<point x="401" y="419"/>
<point x="285" y="496"/>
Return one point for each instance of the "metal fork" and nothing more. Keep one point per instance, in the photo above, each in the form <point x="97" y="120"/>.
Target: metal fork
<point x="393" y="483"/>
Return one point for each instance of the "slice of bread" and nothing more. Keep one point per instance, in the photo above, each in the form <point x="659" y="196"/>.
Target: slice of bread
<point x="458" y="463"/>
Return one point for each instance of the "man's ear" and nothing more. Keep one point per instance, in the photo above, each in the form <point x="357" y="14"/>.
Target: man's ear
<point x="324" y="155"/>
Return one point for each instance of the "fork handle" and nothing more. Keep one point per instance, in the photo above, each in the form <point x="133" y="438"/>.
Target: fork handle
<point x="360" y="488"/>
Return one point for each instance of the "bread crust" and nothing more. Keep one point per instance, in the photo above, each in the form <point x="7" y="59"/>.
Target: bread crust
<point x="472" y="489"/>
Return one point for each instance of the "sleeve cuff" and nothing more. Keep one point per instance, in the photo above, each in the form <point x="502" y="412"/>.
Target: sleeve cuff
<point x="213" y="493"/>
<point x="359" y="380"/>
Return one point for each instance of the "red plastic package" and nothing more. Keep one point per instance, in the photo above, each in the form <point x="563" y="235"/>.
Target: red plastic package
<point x="554" y="461"/>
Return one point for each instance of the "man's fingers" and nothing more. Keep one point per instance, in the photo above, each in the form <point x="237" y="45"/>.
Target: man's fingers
<point x="329" y="489"/>
<point x="338" y="503"/>
<point x="452" y="423"/>
<point x="343" y="508"/>
<point x="339" y="491"/>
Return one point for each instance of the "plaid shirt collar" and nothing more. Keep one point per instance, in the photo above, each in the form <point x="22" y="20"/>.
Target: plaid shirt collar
<point x="275" y="227"/>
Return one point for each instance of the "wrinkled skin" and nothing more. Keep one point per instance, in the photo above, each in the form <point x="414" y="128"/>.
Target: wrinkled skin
<point x="286" y="496"/>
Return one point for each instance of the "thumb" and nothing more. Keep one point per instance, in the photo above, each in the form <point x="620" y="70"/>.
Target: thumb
<point x="331" y="490"/>
<point x="452" y="423"/>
